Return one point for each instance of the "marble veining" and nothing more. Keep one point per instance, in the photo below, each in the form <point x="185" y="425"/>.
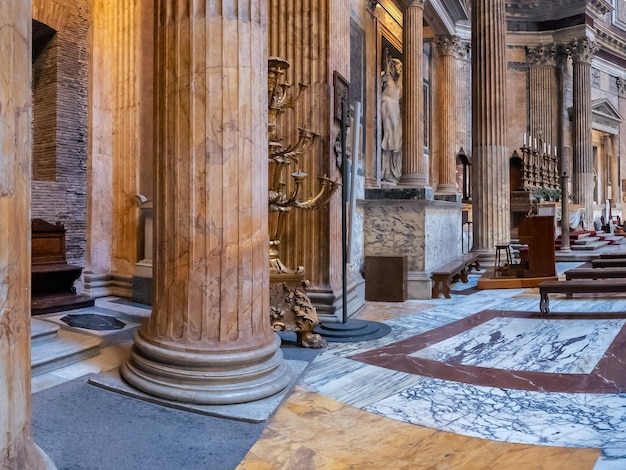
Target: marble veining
<point x="572" y="346"/>
<point x="561" y="419"/>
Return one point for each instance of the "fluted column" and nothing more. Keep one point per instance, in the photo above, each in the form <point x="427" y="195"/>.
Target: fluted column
<point x="414" y="165"/>
<point x="582" y="52"/>
<point x="449" y="48"/>
<point x="490" y="180"/>
<point x="209" y="338"/>
<point x="542" y="92"/>
<point x="16" y="444"/>
<point x="616" y="192"/>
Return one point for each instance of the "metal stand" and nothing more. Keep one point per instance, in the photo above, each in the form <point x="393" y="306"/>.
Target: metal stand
<point x="348" y="330"/>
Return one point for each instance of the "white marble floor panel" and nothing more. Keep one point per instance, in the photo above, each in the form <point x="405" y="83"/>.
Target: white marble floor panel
<point x="531" y="344"/>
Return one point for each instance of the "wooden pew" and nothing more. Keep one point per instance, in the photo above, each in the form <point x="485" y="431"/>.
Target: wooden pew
<point x="578" y="286"/>
<point x="451" y="272"/>
<point x="614" y="255"/>
<point x="596" y="273"/>
<point x="608" y="263"/>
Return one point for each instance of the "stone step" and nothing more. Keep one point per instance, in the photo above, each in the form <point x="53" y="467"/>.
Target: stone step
<point x="67" y="348"/>
<point x="42" y="331"/>
<point x="589" y="246"/>
<point x="585" y="241"/>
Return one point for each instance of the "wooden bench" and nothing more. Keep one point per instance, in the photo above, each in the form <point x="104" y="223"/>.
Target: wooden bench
<point x="451" y="272"/>
<point x="52" y="278"/>
<point x="596" y="273"/>
<point x="608" y="263"/>
<point x="578" y="286"/>
<point x="614" y="255"/>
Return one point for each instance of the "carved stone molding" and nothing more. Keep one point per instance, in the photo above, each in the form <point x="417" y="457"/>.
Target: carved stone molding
<point x="539" y="56"/>
<point x="582" y="49"/>
<point x="450" y="45"/>
<point x="602" y="7"/>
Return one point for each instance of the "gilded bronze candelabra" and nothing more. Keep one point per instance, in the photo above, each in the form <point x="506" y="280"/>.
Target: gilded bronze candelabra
<point x="291" y="309"/>
<point x="540" y="166"/>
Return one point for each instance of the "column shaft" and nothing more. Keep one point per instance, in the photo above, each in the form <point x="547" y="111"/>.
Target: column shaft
<point x="448" y="48"/>
<point x="209" y="339"/>
<point x="615" y="187"/>
<point x="16" y="445"/>
<point x="542" y="93"/>
<point x="582" y="51"/>
<point x="490" y="165"/>
<point x="414" y="165"/>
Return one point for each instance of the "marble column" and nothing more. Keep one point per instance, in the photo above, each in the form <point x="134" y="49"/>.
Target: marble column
<point x="414" y="164"/>
<point x="542" y="92"/>
<point x="616" y="192"/>
<point x="209" y="339"/>
<point x="582" y="51"/>
<point x="448" y="48"/>
<point x="18" y="450"/>
<point x="490" y="164"/>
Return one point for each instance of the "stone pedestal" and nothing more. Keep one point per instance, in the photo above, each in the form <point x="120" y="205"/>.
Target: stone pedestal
<point x="209" y="339"/>
<point x="404" y="223"/>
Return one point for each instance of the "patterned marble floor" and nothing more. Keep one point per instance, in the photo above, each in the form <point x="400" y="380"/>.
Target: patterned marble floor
<point x="480" y="380"/>
<point x="487" y="365"/>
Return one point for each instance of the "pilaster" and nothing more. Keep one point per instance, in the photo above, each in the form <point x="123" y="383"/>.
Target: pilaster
<point x="543" y="92"/>
<point x="209" y="339"/>
<point x="490" y="192"/>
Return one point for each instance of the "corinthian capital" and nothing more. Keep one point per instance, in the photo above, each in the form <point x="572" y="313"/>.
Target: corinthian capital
<point x="449" y="45"/>
<point x="582" y="50"/>
<point x="541" y="55"/>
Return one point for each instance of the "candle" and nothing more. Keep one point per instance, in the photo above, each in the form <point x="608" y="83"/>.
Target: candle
<point x="544" y="147"/>
<point x="535" y="143"/>
<point x="524" y="139"/>
<point x="555" y="150"/>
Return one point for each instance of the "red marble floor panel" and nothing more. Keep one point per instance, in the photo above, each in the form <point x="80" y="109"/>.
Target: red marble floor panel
<point x="608" y="376"/>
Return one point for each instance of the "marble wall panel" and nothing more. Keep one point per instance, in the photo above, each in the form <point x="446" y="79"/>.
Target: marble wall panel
<point x="428" y="233"/>
<point x="443" y="235"/>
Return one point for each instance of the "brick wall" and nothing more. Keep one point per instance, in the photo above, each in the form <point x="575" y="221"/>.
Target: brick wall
<point x="60" y="128"/>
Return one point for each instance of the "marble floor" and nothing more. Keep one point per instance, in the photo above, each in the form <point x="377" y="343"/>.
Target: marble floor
<point x="480" y="380"/>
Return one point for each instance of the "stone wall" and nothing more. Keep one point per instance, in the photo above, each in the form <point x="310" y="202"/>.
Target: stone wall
<point x="60" y="123"/>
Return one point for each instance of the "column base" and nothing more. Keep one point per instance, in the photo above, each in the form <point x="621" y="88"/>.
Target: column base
<point x="449" y="196"/>
<point x="41" y="459"/>
<point x="413" y="180"/>
<point x="207" y="378"/>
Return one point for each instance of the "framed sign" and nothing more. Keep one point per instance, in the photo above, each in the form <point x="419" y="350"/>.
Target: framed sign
<point x="342" y="93"/>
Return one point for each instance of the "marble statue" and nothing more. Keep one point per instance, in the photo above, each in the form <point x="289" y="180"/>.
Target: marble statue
<point x="391" y="145"/>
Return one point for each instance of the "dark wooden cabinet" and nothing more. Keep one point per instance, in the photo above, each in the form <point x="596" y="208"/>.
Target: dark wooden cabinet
<point x="538" y="233"/>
